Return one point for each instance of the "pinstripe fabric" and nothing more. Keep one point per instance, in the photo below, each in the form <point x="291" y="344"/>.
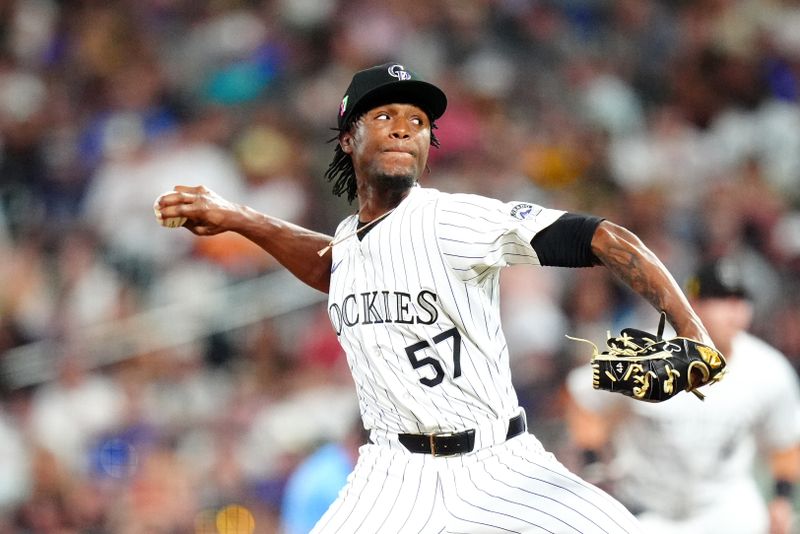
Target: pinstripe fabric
<point x="430" y="267"/>
<point x="415" y="304"/>
<point x="515" y="487"/>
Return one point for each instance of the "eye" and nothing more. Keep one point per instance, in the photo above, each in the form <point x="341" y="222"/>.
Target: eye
<point x="417" y="120"/>
<point x="382" y="116"/>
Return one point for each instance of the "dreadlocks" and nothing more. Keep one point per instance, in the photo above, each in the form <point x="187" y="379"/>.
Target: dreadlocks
<point x="341" y="171"/>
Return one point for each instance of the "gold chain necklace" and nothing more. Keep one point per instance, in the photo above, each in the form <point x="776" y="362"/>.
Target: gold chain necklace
<point x="357" y="231"/>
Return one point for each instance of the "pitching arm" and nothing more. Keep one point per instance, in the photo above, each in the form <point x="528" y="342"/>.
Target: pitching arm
<point x="291" y="245"/>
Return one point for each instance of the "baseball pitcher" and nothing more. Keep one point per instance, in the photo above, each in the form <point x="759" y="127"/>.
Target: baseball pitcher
<point x="412" y="279"/>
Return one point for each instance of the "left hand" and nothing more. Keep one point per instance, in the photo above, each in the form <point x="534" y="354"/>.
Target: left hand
<point x="646" y="367"/>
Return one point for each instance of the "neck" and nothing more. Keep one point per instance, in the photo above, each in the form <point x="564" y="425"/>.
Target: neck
<point x="372" y="206"/>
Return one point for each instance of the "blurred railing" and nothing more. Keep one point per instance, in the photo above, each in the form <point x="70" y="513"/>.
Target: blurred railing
<point x="202" y="314"/>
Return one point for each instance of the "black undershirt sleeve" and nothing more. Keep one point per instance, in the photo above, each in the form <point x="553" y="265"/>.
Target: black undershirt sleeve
<point x="567" y="242"/>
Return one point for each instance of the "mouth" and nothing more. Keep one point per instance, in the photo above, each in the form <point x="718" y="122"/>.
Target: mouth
<point x="396" y="150"/>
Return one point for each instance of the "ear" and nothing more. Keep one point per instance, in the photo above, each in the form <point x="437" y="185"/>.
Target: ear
<point x="346" y="142"/>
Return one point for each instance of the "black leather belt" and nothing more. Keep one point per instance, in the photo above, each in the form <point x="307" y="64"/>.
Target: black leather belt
<point x="448" y="444"/>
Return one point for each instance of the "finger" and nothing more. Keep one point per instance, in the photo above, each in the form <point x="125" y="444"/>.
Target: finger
<point x="170" y="197"/>
<point x="203" y="230"/>
<point x="171" y="210"/>
<point x="183" y="204"/>
<point x="197" y="189"/>
<point x="195" y="227"/>
<point x="173" y="198"/>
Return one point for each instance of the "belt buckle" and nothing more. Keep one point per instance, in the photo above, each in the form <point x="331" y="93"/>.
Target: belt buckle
<point x="432" y="441"/>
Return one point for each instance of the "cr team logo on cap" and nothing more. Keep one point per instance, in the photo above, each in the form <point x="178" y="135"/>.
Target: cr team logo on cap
<point x="387" y="82"/>
<point x="399" y="72"/>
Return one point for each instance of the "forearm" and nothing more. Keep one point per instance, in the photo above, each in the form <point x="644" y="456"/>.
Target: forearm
<point x="294" y="247"/>
<point x="785" y="464"/>
<point x="624" y="254"/>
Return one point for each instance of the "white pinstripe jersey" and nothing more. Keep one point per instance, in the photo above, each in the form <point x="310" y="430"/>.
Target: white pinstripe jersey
<point x="415" y="304"/>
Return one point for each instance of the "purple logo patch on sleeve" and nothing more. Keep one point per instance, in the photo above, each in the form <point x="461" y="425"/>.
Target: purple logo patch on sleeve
<point x="525" y="211"/>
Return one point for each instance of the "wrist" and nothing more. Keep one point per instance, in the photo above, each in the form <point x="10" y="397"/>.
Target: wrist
<point x="784" y="489"/>
<point x="590" y="456"/>
<point x="245" y="220"/>
<point x="694" y="329"/>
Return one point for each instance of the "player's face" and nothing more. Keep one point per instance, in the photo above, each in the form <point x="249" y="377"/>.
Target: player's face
<point x="389" y="145"/>
<point x="724" y="317"/>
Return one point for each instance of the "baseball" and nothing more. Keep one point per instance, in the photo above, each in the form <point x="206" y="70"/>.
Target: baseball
<point x="169" y="222"/>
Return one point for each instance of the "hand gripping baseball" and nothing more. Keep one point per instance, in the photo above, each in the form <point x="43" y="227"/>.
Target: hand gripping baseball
<point x="200" y="210"/>
<point x="648" y="368"/>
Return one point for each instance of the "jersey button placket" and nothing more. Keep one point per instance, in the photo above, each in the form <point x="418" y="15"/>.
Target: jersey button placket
<point x="360" y="270"/>
<point x="350" y="259"/>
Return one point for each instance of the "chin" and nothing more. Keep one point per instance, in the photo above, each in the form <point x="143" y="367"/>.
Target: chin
<point x="400" y="181"/>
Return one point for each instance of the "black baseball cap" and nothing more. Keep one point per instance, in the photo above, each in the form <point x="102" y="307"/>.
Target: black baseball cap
<point x="390" y="83"/>
<point x="717" y="279"/>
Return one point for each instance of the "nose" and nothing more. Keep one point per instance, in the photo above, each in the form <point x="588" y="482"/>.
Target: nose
<point x="400" y="129"/>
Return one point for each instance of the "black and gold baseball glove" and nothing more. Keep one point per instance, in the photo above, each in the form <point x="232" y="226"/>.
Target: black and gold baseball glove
<point x="648" y="368"/>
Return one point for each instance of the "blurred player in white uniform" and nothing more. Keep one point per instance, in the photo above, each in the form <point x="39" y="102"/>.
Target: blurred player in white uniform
<point x="686" y="467"/>
<point x="413" y="283"/>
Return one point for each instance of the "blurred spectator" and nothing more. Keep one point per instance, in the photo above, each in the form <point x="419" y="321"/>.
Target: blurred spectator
<point x="89" y="290"/>
<point x="70" y="412"/>
<point x="160" y="497"/>
<point x="28" y="303"/>
<point x="315" y="483"/>
<point x="532" y="298"/>
<point x="14" y="464"/>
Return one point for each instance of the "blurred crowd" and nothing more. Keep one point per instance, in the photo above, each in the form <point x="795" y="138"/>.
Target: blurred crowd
<point x="679" y="119"/>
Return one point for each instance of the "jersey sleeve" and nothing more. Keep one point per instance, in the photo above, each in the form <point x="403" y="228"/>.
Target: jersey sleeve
<point x="478" y="235"/>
